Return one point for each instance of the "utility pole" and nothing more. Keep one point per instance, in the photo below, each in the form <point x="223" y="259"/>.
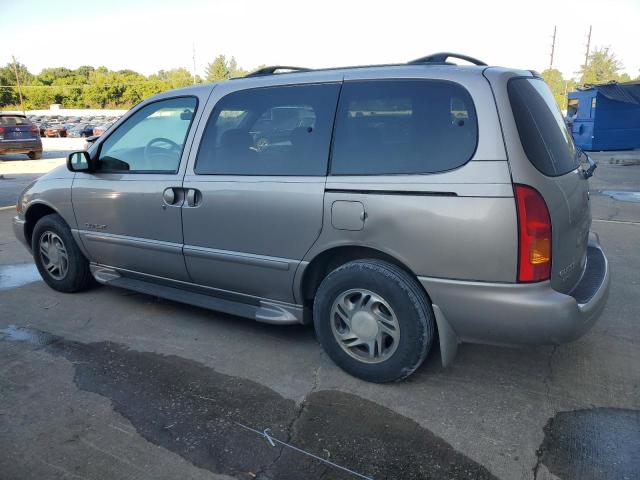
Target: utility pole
<point x="15" y="70"/>
<point x="194" y="62"/>
<point x="586" y="56"/>
<point x="553" y="47"/>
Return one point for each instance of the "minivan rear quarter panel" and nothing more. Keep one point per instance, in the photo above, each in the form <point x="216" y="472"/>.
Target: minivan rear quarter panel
<point x="566" y="196"/>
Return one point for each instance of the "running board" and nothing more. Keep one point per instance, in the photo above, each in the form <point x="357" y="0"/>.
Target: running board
<point x="265" y="311"/>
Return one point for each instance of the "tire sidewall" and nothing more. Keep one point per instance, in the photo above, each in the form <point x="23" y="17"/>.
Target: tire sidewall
<point x="75" y="279"/>
<point x="416" y="321"/>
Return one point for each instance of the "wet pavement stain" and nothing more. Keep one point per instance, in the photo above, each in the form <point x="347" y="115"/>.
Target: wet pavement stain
<point x="369" y="438"/>
<point x="598" y="443"/>
<point x="622" y="195"/>
<point x="12" y="276"/>
<point x="192" y="410"/>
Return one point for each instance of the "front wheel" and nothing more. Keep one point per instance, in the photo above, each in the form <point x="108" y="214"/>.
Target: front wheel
<point x="374" y="320"/>
<point x="59" y="260"/>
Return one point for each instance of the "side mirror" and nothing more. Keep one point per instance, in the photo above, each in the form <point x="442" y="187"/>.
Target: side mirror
<point x="79" y="161"/>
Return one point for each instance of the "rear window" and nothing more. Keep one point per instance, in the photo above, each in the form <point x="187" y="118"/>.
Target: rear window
<point x="13" y="120"/>
<point x="403" y="127"/>
<point x="543" y="133"/>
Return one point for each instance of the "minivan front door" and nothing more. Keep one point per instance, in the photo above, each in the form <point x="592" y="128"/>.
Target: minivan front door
<point x="129" y="210"/>
<point x="259" y="180"/>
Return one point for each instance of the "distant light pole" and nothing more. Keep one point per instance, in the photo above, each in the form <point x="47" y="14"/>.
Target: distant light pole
<point x="553" y="47"/>
<point x="15" y="70"/>
<point x="586" y="56"/>
<point x="194" y="62"/>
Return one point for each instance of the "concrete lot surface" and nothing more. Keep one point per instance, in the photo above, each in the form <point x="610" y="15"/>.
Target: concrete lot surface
<point x="109" y="384"/>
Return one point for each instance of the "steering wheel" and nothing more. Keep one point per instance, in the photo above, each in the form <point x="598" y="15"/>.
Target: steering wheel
<point x="150" y="151"/>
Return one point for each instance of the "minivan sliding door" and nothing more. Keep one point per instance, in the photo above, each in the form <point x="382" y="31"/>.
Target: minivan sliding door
<point x="258" y="183"/>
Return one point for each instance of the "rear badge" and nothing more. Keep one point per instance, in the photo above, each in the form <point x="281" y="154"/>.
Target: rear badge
<point x="566" y="271"/>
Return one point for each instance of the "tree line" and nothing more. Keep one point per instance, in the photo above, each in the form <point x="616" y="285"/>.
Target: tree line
<point x="89" y="87"/>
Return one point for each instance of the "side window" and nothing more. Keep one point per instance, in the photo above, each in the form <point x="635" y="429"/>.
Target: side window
<point x="403" y="127"/>
<point x="270" y="131"/>
<point x="151" y="140"/>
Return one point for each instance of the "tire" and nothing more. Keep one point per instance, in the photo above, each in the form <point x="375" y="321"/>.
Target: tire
<point x="393" y="294"/>
<point x="52" y="230"/>
<point x="35" y="155"/>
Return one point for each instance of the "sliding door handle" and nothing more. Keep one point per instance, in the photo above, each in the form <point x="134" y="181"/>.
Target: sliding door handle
<point x="194" y="197"/>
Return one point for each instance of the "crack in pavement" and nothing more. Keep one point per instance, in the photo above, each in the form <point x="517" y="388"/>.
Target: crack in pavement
<point x="290" y="428"/>
<point x="547" y="381"/>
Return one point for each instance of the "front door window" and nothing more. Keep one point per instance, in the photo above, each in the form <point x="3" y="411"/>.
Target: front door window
<point x="151" y="140"/>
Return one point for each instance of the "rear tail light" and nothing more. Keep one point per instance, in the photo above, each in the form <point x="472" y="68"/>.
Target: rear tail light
<point x="534" y="235"/>
<point x="34" y="129"/>
<point x="1" y="133"/>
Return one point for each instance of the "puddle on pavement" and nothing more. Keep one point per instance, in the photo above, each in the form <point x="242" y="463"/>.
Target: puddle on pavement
<point x="623" y="196"/>
<point x="35" y="337"/>
<point x="598" y="443"/>
<point x="12" y="276"/>
<point x="192" y="410"/>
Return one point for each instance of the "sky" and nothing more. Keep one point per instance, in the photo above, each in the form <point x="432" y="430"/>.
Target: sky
<point x="147" y="35"/>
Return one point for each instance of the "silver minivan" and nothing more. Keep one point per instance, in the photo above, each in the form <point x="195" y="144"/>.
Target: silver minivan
<point x="391" y="206"/>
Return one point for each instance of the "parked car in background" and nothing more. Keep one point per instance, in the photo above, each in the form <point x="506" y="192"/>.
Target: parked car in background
<point x="55" y="130"/>
<point x="19" y="135"/>
<point x="100" y="129"/>
<point x="80" y="130"/>
<point x="42" y="126"/>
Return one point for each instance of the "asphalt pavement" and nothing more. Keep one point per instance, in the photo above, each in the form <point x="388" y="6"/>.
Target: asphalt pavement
<point x="111" y="384"/>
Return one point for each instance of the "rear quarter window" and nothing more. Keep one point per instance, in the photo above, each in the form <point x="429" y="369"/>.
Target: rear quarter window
<point x="544" y="136"/>
<point x="403" y="127"/>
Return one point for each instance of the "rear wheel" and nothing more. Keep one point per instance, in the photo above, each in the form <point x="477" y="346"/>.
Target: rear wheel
<point x="373" y="320"/>
<point x="59" y="260"/>
<point x="35" y="155"/>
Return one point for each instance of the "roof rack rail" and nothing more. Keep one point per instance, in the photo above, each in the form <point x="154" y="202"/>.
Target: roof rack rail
<point x="273" y="69"/>
<point x="442" y="57"/>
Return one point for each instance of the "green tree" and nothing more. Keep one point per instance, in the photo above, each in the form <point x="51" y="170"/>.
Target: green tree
<point x="223" y="69"/>
<point x="603" y="66"/>
<point x="9" y="96"/>
<point x="559" y="86"/>
<point x="176" y="77"/>
<point x="217" y="70"/>
<point x="49" y="75"/>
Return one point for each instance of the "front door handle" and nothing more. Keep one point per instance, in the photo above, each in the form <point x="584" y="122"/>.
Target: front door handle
<point x="172" y="196"/>
<point x="194" y="197"/>
<point x="169" y="196"/>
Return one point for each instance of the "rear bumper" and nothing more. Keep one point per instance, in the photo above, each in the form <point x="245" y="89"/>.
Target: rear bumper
<point x="500" y="313"/>
<point x="21" y="146"/>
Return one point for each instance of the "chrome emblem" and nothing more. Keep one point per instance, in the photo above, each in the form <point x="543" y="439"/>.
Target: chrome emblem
<point x="566" y="271"/>
<point x="95" y="226"/>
